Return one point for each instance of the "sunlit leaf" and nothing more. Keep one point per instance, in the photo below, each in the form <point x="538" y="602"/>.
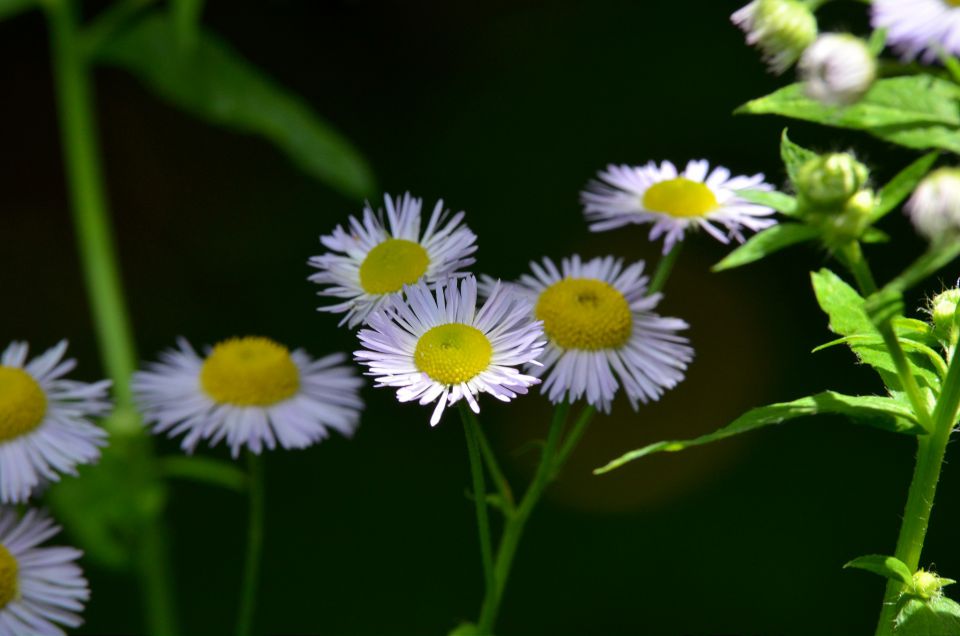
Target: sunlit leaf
<point x="938" y="616"/>
<point x="793" y="156"/>
<point x="770" y="240"/>
<point x="783" y="203"/>
<point x="886" y="566"/>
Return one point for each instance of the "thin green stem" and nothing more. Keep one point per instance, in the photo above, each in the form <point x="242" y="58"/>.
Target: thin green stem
<point x="923" y="487"/>
<point x="81" y="155"/>
<point x="251" y="566"/>
<point x="664" y="267"/>
<point x="852" y="256"/>
<point x="573" y="437"/>
<point x="470" y="429"/>
<point x="493" y="466"/>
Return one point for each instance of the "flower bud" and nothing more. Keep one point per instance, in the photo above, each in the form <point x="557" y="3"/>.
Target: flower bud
<point x="943" y="311"/>
<point x="934" y="207"/>
<point x="837" y="69"/>
<point x="830" y="180"/>
<point x="781" y="29"/>
<point x="928" y="584"/>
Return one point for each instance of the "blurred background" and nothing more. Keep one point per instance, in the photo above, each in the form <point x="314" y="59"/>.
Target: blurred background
<point x="504" y="109"/>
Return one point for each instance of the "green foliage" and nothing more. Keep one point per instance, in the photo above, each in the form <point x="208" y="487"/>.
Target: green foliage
<point x="793" y="156"/>
<point x="879" y="412"/>
<point x="212" y="81"/>
<point x="771" y="240"/>
<point x="900" y="187"/>
<point x="887" y="566"/>
<point x="938" y="616"/>
<point x="782" y="203"/>
<point x="10" y="8"/>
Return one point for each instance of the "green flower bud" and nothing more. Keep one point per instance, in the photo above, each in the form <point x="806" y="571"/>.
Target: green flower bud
<point x="927" y="584"/>
<point x="781" y="29"/>
<point x="943" y="309"/>
<point x="830" y="180"/>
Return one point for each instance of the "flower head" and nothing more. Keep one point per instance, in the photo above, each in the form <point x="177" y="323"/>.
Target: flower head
<point x="437" y="346"/>
<point x="370" y="262"/>
<point x="828" y="181"/>
<point x="252" y="391"/>
<point x="45" y="426"/>
<point x="919" y="28"/>
<point x="781" y="29"/>
<point x="837" y="69"/>
<point x="934" y="206"/>
<point x="674" y="202"/>
<point x="41" y="588"/>
<point x="602" y="332"/>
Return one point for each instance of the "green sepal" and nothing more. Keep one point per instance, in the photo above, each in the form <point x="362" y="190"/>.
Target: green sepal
<point x="782" y="203"/>
<point x="213" y="82"/>
<point x="793" y="156"/>
<point x="770" y="240"/>
<point x="886" y="566"/>
<point x="884" y="413"/>
<point x="900" y="187"/>
<point x="938" y="616"/>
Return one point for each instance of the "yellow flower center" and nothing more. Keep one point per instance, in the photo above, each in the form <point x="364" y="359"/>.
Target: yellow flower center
<point x="391" y="265"/>
<point x="22" y="403"/>
<point x="584" y="313"/>
<point x="953" y="3"/>
<point x="249" y="371"/>
<point x="680" y="197"/>
<point x="453" y="353"/>
<point x="8" y="577"/>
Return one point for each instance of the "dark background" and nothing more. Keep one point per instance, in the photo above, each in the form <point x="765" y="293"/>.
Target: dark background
<point x="504" y="109"/>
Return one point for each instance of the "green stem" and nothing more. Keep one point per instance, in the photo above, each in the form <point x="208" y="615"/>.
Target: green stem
<point x="470" y="429"/>
<point x="494" y="468"/>
<point x="923" y="487"/>
<point x="251" y="567"/>
<point x="515" y="524"/>
<point x="664" y="267"/>
<point x="81" y="156"/>
<point x="573" y="438"/>
<point x="852" y="256"/>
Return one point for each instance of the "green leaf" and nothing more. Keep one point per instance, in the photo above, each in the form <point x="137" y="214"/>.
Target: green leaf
<point x="876" y="42"/>
<point x="938" y="616"/>
<point x="783" y="203"/>
<point x="921" y="137"/>
<point x="896" y="101"/>
<point x="900" y="187"/>
<point x="793" y="156"/>
<point x="874" y="235"/>
<point x="935" y="258"/>
<point x="214" y="83"/>
<point x="204" y="470"/>
<point x="771" y="240"/>
<point x="887" y="566"/>
<point x="879" y="412"/>
<point x="10" y="8"/>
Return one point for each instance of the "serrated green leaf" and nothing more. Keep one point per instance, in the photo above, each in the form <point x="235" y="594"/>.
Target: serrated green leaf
<point x="921" y="136"/>
<point x="886" y="566"/>
<point x="793" y="156"/>
<point x="938" y="616"/>
<point x="908" y="100"/>
<point x="783" y="203"/>
<point x="879" y="412"/>
<point x="773" y="239"/>
<point x="213" y="82"/>
<point x="900" y="187"/>
<point x="10" y="8"/>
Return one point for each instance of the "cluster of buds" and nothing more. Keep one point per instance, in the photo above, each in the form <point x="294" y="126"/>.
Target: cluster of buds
<point x="832" y="192"/>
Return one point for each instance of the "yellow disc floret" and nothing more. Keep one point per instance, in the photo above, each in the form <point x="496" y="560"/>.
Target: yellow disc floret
<point x="8" y="577"/>
<point x="22" y="403"/>
<point x="391" y="265"/>
<point x="249" y="371"/>
<point x="584" y="313"/>
<point x="453" y="353"/>
<point x="680" y="197"/>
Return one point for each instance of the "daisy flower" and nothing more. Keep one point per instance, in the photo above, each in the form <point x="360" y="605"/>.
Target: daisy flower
<point x="251" y="391"/>
<point x="918" y="28"/>
<point x="370" y="262"/>
<point x="45" y="426"/>
<point x="675" y="202"/>
<point x="602" y="332"/>
<point x="439" y="347"/>
<point x="40" y="588"/>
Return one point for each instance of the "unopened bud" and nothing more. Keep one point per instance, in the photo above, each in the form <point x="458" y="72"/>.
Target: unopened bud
<point x="934" y="207"/>
<point x="928" y="584"/>
<point x="943" y="312"/>
<point x="837" y="69"/>
<point x="830" y="180"/>
<point x="781" y="29"/>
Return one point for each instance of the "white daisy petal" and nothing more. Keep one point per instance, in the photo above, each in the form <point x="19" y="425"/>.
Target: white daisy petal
<point x="251" y="392"/>
<point x="918" y="28"/>
<point x="45" y="427"/>
<point x="437" y="346"/>
<point x="371" y="262"/>
<point x="674" y="202"/>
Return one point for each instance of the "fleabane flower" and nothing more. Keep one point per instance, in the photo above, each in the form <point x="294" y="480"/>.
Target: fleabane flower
<point x="781" y="29"/>
<point x="837" y="69"/>
<point x="436" y="345"/>
<point x="45" y="426"/>
<point x="919" y="28"/>
<point x="250" y="391"/>
<point x="674" y="202"/>
<point x="372" y="259"/>
<point x="934" y="207"/>
<point x="41" y="588"/>
<point x="602" y="332"/>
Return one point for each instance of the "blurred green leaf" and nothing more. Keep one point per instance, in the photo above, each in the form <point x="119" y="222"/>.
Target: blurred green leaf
<point x="938" y="616"/>
<point x="793" y="156"/>
<point x="900" y="187"/>
<point x="213" y="82"/>
<point x="783" y="203"/>
<point x="874" y="235"/>
<point x="770" y="240"/>
<point x="205" y="470"/>
<point x="10" y="8"/>
<point x="879" y="412"/>
<point x="934" y="259"/>
<point x="886" y="566"/>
